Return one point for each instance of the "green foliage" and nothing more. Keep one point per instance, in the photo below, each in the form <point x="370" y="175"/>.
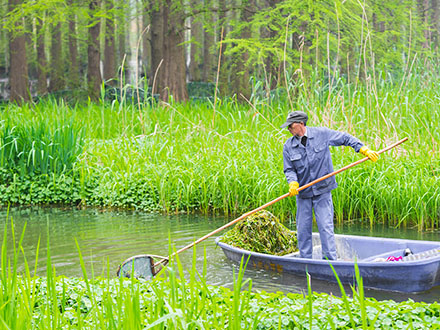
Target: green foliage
<point x="201" y="90"/>
<point x="64" y="188"/>
<point x="129" y="94"/>
<point x="39" y="148"/>
<point x="351" y="39"/>
<point x="181" y="299"/>
<point x="262" y="232"/>
<point x="355" y="38"/>
<point x="188" y="158"/>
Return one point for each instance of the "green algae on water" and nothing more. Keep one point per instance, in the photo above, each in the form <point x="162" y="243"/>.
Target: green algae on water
<point x="262" y="232"/>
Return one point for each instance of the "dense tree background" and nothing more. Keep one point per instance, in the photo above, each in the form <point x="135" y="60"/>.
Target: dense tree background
<point x="58" y="45"/>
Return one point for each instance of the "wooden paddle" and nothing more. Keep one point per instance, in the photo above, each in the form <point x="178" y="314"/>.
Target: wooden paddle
<point x="165" y="260"/>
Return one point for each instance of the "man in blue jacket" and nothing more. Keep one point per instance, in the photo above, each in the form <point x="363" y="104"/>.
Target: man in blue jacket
<point x="306" y="158"/>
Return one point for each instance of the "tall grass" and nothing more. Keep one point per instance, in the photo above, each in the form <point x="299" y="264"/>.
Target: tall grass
<point x="39" y="147"/>
<point x="180" y="159"/>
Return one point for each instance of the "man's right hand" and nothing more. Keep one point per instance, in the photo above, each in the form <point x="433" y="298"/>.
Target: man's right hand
<point x="293" y="188"/>
<point x="373" y="155"/>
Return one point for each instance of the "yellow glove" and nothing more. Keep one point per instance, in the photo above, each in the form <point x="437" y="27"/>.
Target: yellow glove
<point x="293" y="188"/>
<point x="373" y="155"/>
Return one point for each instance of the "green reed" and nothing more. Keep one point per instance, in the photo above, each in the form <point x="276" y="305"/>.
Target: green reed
<point x="39" y="147"/>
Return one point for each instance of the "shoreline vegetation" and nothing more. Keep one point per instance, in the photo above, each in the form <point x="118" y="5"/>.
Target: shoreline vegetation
<point x="180" y="298"/>
<point x="225" y="159"/>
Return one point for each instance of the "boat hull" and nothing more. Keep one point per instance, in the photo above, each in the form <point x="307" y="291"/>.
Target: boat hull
<point x="402" y="276"/>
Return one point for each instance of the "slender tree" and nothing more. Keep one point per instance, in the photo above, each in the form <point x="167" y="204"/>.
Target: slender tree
<point x="197" y="48"/>
<point x="173" y="77"/>
<point x="30" y="46"/>
<point x="222" y="30"/>
<point x="121" y="33"/>
<point x="208" y="59"/>
<point x="109" y="47"/>
<point x="240" y="80"/>
<point x="272" y="64"/>
<point x="146" y="49"/>
<point x="426" y="23"/>
<point x="73" y="79"/>
<point x="157" y="36"/>
<point x="94" y="79"/>
<point x="41" y="58"/>
<point x="436" y="23"/>
<point x="56" y="59"/>
<point x="18" y="73"/>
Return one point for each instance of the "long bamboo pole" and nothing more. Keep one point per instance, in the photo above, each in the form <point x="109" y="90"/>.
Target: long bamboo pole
<point x="277" y="200"/>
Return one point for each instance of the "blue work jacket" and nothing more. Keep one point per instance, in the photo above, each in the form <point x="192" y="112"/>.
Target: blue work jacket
<point x="305" y="164"/>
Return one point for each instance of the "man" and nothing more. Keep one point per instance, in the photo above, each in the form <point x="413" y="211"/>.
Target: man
<point x="306" y="158"/>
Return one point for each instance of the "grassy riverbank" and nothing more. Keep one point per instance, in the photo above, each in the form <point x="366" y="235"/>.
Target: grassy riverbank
<point x="227" y="158"/>
<point x="71" y="303"/>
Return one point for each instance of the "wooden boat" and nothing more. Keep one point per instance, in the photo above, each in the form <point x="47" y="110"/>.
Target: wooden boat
<point x="416" y="267"/>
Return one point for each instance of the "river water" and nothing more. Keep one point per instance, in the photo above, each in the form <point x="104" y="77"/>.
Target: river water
<point x="107" y="238"/>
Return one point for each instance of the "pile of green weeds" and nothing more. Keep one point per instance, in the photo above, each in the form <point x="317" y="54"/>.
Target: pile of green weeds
<point x="262" y="232"/>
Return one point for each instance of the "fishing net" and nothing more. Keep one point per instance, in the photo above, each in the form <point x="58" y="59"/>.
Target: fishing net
<point x="262" y="232"/>
<point x="142" y="266"/>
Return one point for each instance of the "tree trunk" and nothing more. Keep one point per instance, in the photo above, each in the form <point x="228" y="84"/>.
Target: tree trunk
<point x="30" y="49"/>
<point x="41" y="60"/>
<point x="18" y="73"/>
<point x="109" y="48"/>
<point x="196" y="58"/>
<point x="74" y="79"/>
<point x="173" y="79"/>
<point x="121" y="33"/>
<point x="132" y="69"/>
<point x="272" y="67"/>
<point x="223" y="78"/>
<point x="94" y="79"/>
<point x="423" y="6"/>
<point x="208" y="67"/>
<point x="241" y="74"/>
<point x="146" y="49"/>
<point x="435" y="18"/>
<point x="56" y="58"/>
<point x="426" y="24"/>
<point x="157" y="30"/>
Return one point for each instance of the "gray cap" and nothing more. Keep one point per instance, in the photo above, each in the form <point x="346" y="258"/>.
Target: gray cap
<point x="295" y="117"/>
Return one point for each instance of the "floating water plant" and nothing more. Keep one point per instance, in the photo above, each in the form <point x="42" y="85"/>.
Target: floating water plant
<point x="262" y="232"/>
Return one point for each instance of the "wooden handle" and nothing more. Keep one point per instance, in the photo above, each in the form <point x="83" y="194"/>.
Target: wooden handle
<point x="278" y="199"/>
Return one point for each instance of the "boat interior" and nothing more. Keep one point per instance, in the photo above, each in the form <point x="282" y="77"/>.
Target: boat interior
<point x="377" y="249"/>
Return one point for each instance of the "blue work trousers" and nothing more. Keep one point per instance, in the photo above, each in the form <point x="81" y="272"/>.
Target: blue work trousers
<point x="323" y="207"/>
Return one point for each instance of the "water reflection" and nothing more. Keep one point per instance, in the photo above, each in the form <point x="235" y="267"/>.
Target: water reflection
<point x="106" y="238"/>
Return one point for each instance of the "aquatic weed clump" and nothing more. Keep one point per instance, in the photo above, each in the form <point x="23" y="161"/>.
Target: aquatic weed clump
<point x="262" y="232"/>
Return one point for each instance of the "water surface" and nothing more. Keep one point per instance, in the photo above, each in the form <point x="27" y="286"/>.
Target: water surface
<point x="107" y="238"/>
